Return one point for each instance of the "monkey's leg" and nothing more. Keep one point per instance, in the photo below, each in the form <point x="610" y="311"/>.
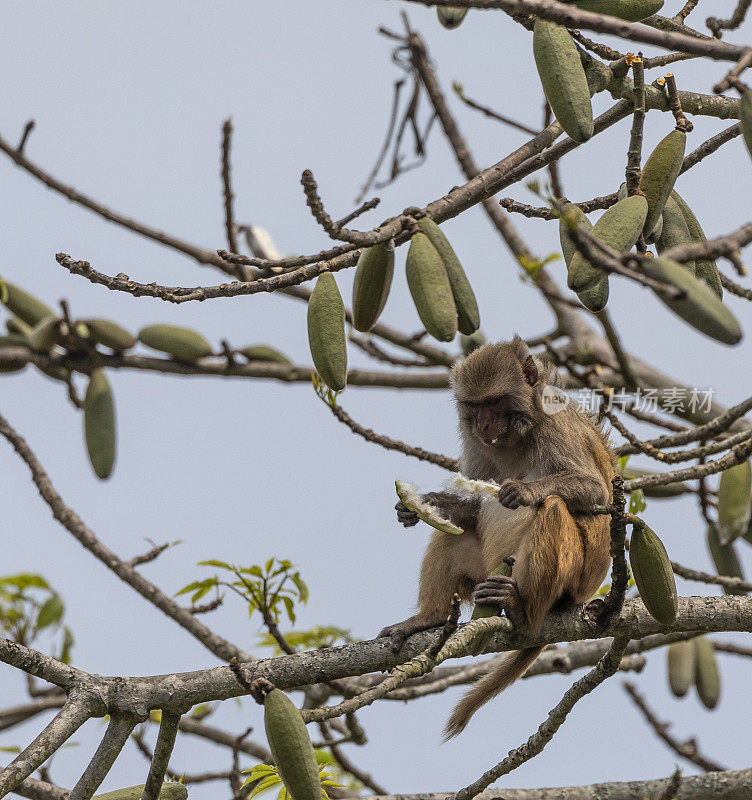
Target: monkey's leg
<point x="548" y="566"/>
<point x="451" y="564"/>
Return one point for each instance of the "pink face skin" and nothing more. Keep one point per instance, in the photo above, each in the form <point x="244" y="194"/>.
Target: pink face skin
<point x="489" y="418"/>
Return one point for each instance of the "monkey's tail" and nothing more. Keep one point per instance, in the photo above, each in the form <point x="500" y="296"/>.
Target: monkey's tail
<point x="489" y="686"/>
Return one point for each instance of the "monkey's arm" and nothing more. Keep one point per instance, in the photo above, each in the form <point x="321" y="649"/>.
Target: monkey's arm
<point x="580" y="491"/>
<point x="461" y="511"/>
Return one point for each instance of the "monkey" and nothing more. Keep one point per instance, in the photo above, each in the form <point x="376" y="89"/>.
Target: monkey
<point x="552" y="469"/>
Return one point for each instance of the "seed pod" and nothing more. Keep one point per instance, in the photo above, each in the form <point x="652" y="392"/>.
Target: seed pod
<point x="563" y="78"/>
<point x="16" y="325"/>
<point x="699" y="307"/>
<point x="167" y="791"/>
<point x="468" y="317"/>
<point x="45" y="335"/>
<point x="674" y="230"/>
<point x="181" y="343"/>
<point x="705" y="268"/>
<point x="659" y="174"/>
<point x="326" y="332"/>
<point x="725" y="559"/>
<point x="110" y="334"/>
<point x="734" y="502"/>
<point x="619" y="227"/>
<point x="482" y="611"/>
<point x="659" y="492"/>
<point x="429" y="514"/>
<point x="263" y="352"/>
<point x="680" y="663"/>
<point x="12" y="340"/>
<point x="655" y="234"/>
<point x="25" y="306"/>
<point x="632" y="10"/>
<point x="430" y="288"/>
<point x="291" y="747"/>
<point x="99" y="424"/>
<point x="707" y="678"/>
<point x="373" y="279"/>
<point x="746" y="118"/>
<point x="574" y="214"/>
<point x="472" y="342"/>
<point x="653" y="575"/>
<point x="451" y="16"/>
<point x="595" y="297"/>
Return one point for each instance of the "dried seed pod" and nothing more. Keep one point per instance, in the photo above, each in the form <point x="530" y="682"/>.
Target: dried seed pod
<point x="632" y="10"/>
<point x="705" y="268"/>
<point x="746" y="118"/>
<point x="373" y="279"/>
<point x="99" y="424"/>
<point x="563" y="78"/>
<point x="25" y="306"/>
<point x="674" y="231"/>
<point x="429" y="514"/>
<point x="699" y="307"/>
<point x="451" y="16"/>
<point x="734" y="502"/>
<point x="707" y="677"/>
<point x="291" y="747"/>
<point x="680" y="664"/>
<point x="167" y="791"/>
<point x="660" y="173"/>
<point x="110" y="334"/>
<point x="482" y="611"/>
<point x="619" y="227"/>
<point x="725" y="559"/>
<point x="263" y="352"/>
<point x="430" y="288"/>
<point x="326" y="332"/>
<point x="181" y="343"/>
<point x="653" y="575"/>
<point x="468" y="316"/>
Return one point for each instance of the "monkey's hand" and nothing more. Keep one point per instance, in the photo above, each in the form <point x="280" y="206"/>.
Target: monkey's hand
<point x="407" y="517"/>
<point x="501" y="592"/>
<point x="514" y="493"/>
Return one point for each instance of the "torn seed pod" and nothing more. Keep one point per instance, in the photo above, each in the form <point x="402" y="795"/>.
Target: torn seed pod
<point x="410" y="498"/>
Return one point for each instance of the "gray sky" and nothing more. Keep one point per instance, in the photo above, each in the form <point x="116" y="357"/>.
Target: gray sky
<point x="129" y="100"/>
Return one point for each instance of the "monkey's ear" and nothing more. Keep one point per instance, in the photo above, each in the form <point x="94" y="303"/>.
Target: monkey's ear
<point x="530" y="370"/>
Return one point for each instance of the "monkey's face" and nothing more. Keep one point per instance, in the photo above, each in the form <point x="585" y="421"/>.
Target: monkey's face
<point x="495" y="421"/>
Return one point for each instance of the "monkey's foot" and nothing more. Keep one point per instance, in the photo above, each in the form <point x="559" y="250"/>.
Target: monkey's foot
<point x="502" y="594"/>
<point x="400" y="631"/>
<point x="407" y="517"/>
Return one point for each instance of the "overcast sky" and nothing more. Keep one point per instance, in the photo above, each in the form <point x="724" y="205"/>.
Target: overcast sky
<point x="129" y="100"/>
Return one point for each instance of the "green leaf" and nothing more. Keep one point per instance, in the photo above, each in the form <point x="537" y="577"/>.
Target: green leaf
<point x="302" y="587"/>
<point x="50" y="612"/>
<point x="10" y="749"/>
<point x="637" y="502"/>
<point x="290" y="606"/>
<point x="212" y="562"/>
<point x="622" y="462"/>
<point x="68" y="641"/>
<point x="25" y="580"/>
<point x="268" y="565"/>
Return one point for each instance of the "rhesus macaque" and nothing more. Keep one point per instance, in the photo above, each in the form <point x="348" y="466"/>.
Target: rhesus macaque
<point x="552" y="469"/>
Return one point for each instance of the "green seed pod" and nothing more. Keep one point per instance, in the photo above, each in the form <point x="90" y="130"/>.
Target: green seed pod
<point x="574" y="214"/>
<point x="451" y="16"/>
<point x="680" y="663"/>
<point x="632" y="10"/>
<point x="595" y="297"/>
<point x="468" y="316"/>
<point x="699" y="307"/>
<point x="430" y="288"/>
<point x="653" y="575"/>
<point x="45" y="335"/>
<point x="99" y="424"/>
<point x="707" y="678"/>
<point x="655" y="234"/>
<point x="472" y="342"/>
<point x="25" y="306"/>
<point x="746" y="118"/>
<point x="563" y="78"/>
<point x="619" y="227"/>
<point x="110" y="334"/>
<point x="705" y="268"/>
<point x="734" y="502"/>
<point x="12" y="340"/>
<point x="482" y="611"/>
<point x="326" y="332"/>
<point x="659" y="492"/>
<point x="674" y="230"/>
<point x="16" y="325"/>
<point x="263" y="352"/>
<point x="725" y="559"/>
<point x="660" y="173"/>
<point x="373" y="279"/>
<point x="291" y="746"/>
<point x="167" y="791"/>
<point x="181" y="343"/>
